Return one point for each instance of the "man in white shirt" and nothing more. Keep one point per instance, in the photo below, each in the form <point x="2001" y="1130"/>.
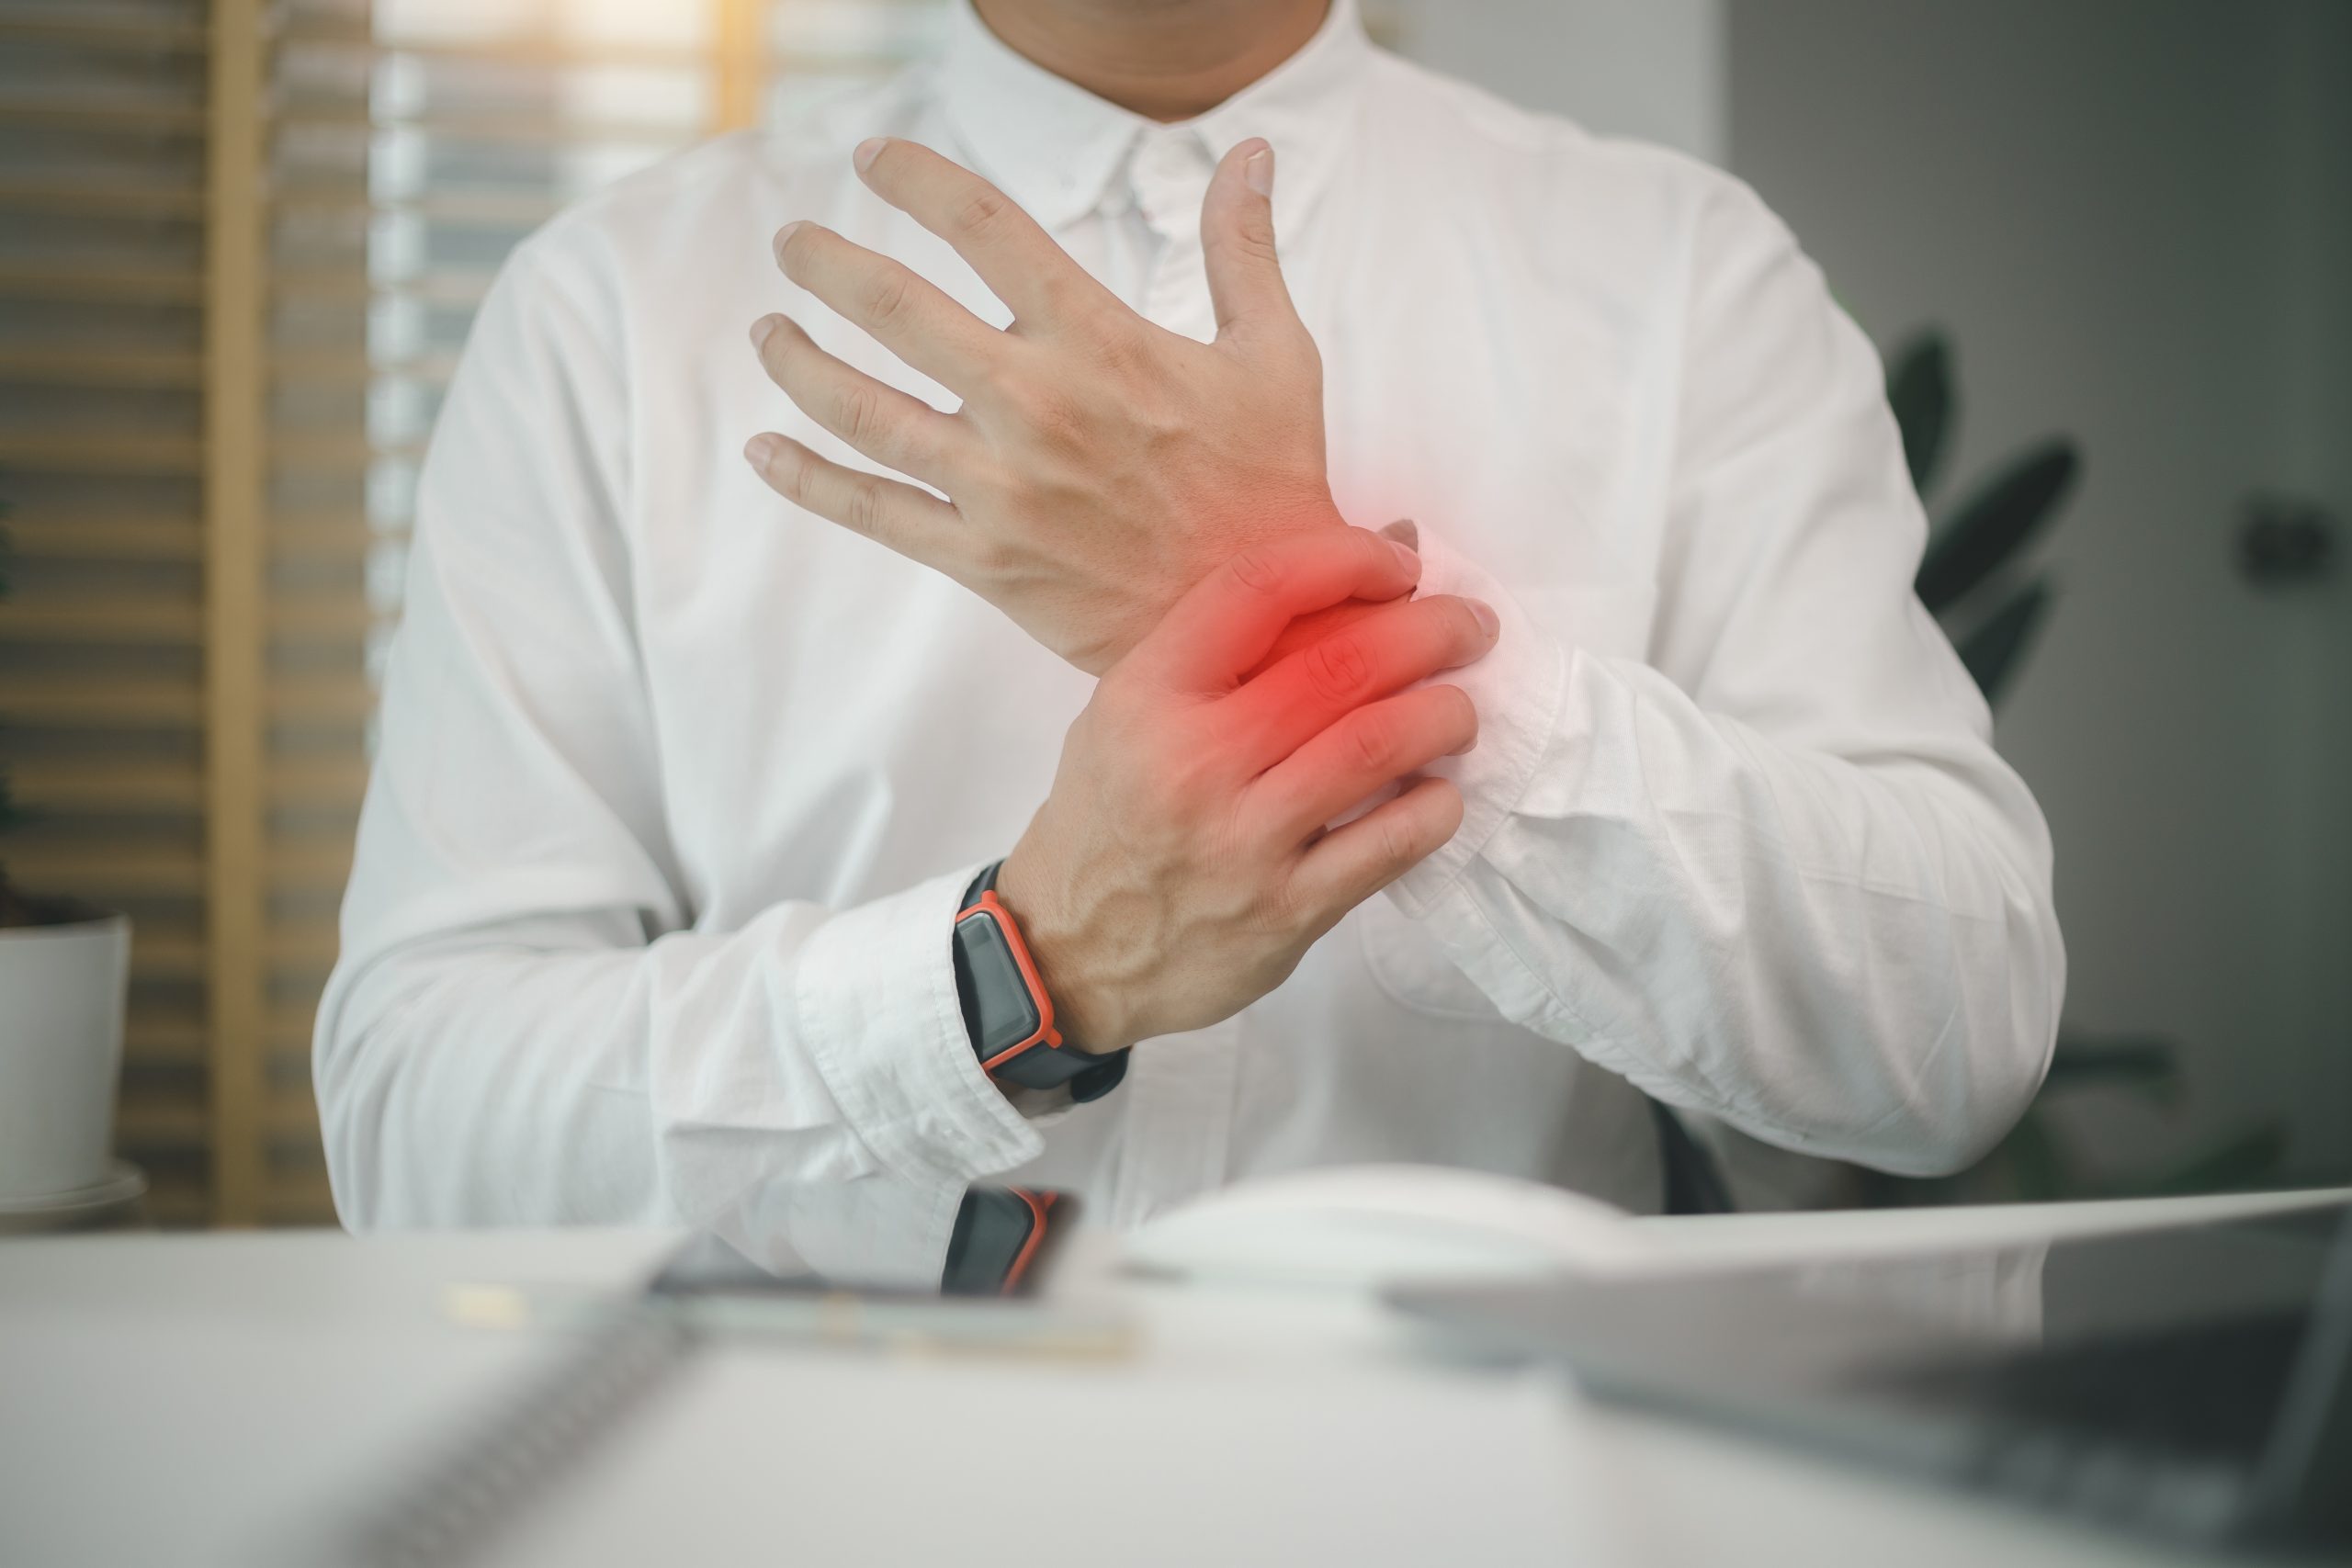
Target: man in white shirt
<point x="682" y="787"/>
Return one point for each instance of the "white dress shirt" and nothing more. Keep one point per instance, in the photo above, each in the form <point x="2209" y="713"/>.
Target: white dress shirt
<point x="679" y="787"/>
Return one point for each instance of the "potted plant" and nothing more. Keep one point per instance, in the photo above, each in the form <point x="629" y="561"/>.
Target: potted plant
<point x="64" y="968"/>
<point x="1979" y="580"/>
<point x="1982" y="581"/>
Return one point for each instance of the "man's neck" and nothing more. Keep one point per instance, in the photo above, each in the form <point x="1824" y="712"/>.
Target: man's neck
<point x="1166" y="59"/>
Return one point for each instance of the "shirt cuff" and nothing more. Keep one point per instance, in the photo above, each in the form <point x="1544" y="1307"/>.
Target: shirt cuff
<point x="1517" y="690"/>
<point x="874" y="992"/>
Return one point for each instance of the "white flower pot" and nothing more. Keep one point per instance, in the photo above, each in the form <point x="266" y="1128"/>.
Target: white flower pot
<point x="61" y="1052"/>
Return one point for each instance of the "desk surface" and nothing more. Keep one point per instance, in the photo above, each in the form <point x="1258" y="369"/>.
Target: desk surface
<point x="193" y="1398"/>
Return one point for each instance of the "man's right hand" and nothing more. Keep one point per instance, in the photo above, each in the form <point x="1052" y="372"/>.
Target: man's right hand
<point x="1181" y="867"/>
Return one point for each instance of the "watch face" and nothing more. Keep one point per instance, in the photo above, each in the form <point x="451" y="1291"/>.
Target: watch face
<point x="1008" y="1013"/>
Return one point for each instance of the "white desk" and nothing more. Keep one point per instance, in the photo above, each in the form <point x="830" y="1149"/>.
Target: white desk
<point x="190" y="1398"/>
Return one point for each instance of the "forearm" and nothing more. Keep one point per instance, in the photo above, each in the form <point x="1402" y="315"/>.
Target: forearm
<point x="561" y="1069"/>
<point x="1847" y="948"/>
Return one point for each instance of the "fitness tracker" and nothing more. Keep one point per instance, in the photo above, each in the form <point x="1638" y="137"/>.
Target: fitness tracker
<point x="1008" y="1014"/>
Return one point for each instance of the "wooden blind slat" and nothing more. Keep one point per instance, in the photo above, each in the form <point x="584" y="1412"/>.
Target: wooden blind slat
<point x="235" y="569"/>
<point x="215" y="777"/>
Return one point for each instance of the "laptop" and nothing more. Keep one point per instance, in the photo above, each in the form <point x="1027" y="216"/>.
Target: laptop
<point x="2192" y="1383"/>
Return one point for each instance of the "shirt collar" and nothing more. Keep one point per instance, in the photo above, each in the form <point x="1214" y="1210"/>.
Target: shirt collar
<point x="1055" y="147"/>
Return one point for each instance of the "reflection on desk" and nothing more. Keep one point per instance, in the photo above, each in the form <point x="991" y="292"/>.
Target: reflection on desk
<point x="198" y="1398"/>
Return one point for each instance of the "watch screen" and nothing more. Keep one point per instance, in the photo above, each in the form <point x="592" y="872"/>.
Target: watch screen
<point x="1002" y="1014"/>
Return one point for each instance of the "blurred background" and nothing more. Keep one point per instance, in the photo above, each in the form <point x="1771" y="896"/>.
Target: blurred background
<point x="2105" y="244"/>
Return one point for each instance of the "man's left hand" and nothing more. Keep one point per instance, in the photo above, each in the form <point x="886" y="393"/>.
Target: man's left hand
<point x="1099" y="466"/>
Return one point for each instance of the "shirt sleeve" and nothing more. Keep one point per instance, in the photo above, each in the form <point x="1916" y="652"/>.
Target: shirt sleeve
<point x="1775" y="872"/>
<point x="524" y="1025"/>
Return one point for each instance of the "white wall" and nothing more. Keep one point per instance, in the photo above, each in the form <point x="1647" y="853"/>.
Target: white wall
<point x="2133" y="214"/>
<point x="2310" y="322"/>
<point x="2136" y="218"/>
<point x="1647" y="68"/>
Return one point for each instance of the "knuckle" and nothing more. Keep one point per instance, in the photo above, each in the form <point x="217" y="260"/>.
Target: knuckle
<point x="1374" y="740"/>
<point x="1257" y="570"/>
<point x="1337" y="669"/>
<point x="858" y="415"/>
<point x="1103" y="330"/>
<point x="981" y="213"/>
<point x="1044" y="411"/>
<point x="889" y="298"/>
<point x="861" y="508"/>
<point x="1016" y="487"/>
<point x="993" y="375"/>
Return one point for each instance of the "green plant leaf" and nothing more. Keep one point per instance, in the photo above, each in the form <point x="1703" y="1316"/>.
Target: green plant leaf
<point x="2142" y="1062"/>
<point x="1992" y="650"/>
<point x="1997" y="522"/>
<point x="2037" y="1165"/>
<point x="1920" y="388"/>
<point x="2247" y="1160"/>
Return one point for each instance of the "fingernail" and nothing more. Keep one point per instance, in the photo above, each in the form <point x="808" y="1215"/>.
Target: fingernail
<point x="1483" y="613"/>
<point x="784" y="235"/>
<point x="761" y="449"/>
<point x="1258" y="171"/>
<point x="1406" y="558"/>
<point x="867" y="151"/>
<point x="1405" y="531"/>
<point x="764" y="329"/>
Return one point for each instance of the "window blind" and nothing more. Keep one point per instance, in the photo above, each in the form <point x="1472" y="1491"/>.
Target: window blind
<point x="103" y="122"/>
<point x="243" y="246"/>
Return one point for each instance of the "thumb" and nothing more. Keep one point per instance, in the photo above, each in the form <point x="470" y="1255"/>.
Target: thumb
<point x="1237" y="242"/>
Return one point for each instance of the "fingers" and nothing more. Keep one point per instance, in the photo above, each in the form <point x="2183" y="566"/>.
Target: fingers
<point x="1361" y="755"/>
<point x="1309" y="629"/>
<point x="912" y="522"/>
<point x="1350" y="865"/>
<point x="1019" y="261"/>
<point x="894" y="428"/>
<point x="1226" y="622"/>
<point x="906" y="314"/>
<point x="1245" y="276"/>
<point x="1385" y="652"/>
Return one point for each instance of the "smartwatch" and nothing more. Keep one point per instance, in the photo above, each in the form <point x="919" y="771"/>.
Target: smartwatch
<point x="1008" y="1014"/>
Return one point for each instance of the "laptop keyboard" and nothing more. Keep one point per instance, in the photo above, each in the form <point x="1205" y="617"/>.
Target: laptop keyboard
<point x="2162" y="1429"/>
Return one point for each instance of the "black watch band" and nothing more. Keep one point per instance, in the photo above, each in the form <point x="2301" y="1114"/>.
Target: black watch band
<point x="1004" y="1007"/>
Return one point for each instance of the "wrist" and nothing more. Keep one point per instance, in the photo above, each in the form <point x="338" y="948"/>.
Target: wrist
<point x="1057" y="946"/>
